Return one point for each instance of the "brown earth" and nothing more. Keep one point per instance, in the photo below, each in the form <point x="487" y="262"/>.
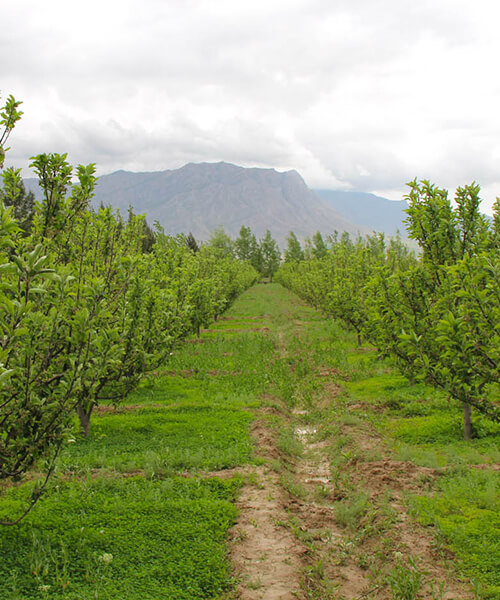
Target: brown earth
<point x="266" y="556"/>
<point x="291" y="540"/>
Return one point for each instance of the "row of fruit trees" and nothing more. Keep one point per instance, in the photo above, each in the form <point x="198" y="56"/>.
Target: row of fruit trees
<point x="86" y="307"/>
<point x="436" y="313"/>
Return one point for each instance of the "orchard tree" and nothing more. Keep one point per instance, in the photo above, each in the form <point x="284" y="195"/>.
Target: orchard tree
<point x="399" y="256"/>
<point x="353" y="264"/>
<point x="438" y="317"/>
<point x="460" y="256"/>
<point x="14" y="194"/>
<point x="38" y="377"/>
<point x="469" y="334"/>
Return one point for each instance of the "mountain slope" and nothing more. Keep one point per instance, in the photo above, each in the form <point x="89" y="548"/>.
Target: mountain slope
<point x="368" y="210"/>
<point x="200" y="197"/>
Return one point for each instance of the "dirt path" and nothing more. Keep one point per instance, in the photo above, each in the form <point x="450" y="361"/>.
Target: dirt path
<point x="266" y="555"/>
<point x="308" y="533"/>
<point x="331" y="521"/>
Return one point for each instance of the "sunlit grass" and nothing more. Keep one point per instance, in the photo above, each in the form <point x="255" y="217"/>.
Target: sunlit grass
<point x="466" y="513"/>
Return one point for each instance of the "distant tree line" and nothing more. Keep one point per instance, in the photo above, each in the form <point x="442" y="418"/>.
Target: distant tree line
<point x="264" y="254"/>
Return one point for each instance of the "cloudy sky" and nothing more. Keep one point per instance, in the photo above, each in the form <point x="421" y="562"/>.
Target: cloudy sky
<point x="354" y="94"/>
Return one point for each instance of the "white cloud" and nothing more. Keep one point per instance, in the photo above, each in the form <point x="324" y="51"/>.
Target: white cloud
<point x="363" y="94"/>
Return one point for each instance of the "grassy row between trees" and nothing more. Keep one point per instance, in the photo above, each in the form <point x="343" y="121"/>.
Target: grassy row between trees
<point x="437" y="317"/>
<point x="131" y="512"/>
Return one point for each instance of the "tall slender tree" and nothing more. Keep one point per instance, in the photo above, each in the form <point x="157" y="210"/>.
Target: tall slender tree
<point x="246" y="244"/>
<point x="293" y="252"/>
<point x="271" y="256"/>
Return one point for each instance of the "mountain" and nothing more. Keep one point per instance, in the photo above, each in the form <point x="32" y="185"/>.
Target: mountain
<point x="368" y="210"/>
<point x="198" y="198"/>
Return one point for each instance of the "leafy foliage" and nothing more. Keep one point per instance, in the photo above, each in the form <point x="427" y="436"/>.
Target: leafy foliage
<point x="438" y="316"/>
<point x="465" y="511"/>
<point x="14" y="194"/>
<point x="293" y="252"/>
<point x="270" y="255"/>
<point x="89" y="303"/>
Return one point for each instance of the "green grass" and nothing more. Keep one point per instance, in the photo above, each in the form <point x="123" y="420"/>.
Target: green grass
<point x="187" y="437"/>
<point x="350" y="511"/>
<point x="288" y="443"/>
<point x="120" y="538"/>
<point x="465" y="510"/>
<point x="421" y="423"/>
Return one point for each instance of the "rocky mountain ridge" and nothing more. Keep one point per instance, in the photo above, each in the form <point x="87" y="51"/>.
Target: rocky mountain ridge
<point x="200" y="197"/>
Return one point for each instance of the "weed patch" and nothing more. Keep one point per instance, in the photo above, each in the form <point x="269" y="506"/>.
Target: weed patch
<point x="466" y="512"/>
<point x="120" y="538"/>
<point x="188" y="437"/>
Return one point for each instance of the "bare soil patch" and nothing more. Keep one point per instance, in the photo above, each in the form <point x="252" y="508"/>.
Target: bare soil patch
<point x="266" y="556"/>
<point x="291" y="542"/>
<point x="377" y="539"/>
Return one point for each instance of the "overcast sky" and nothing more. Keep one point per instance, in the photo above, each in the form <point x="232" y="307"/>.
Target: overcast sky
<point x="354" y="94"/>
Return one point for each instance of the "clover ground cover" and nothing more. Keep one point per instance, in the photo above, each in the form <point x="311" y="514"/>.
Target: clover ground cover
<point x="114" y="538"/>
<point x="424" y="426"/>
<point x="118" y="521"/>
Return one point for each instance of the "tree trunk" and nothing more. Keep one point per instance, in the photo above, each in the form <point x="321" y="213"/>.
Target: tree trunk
<point x="359" y="339"/>
<point x="467" y="422"/>
<point x="84" y="418"/>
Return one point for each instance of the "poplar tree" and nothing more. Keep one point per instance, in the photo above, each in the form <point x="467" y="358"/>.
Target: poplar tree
<point x="293" y="252"/>
<point x="271" y="256"/>
<point x="246" y="246"/>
